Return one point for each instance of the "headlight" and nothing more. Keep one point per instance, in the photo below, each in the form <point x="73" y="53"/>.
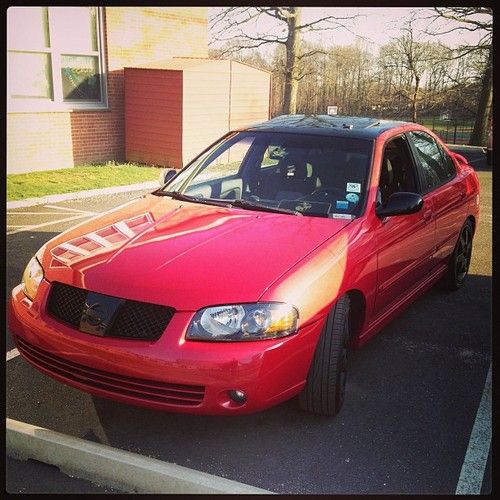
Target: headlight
<point x="240" y="322"/>
<point x="32" y="277"/>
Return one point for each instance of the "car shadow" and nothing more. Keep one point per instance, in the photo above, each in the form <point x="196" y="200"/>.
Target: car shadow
<point x="412" y="394"/>
<point x="432" y="335"/>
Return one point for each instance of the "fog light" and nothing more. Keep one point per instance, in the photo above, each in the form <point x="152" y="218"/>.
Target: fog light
<point x="238" y="396"/>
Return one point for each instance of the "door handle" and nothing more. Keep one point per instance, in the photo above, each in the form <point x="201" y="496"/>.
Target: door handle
<point x="427" y="215"/>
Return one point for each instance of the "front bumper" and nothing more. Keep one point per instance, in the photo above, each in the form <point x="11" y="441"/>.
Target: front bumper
<point x="168" y="374"/>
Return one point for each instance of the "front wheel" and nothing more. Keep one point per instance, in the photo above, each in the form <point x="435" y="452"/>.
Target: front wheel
<point x="325" y="387"/>
<point x="458" y="266"/>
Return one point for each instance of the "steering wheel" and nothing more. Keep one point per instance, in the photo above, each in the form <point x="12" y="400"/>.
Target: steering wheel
<point x="252" y="197"/>
<point x="326" y="193"/>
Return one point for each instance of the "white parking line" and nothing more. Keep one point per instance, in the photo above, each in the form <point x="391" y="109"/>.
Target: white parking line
<point x="123" y="228"/>
<point x="51" y="223"/>
<point x="472" y="473"/>
<point x="70" y="209"/>
<point x="12" y="354"/>
<point x="98" y="239"/>
<point x="36" y="213"/>
<point x="74" y="249"/>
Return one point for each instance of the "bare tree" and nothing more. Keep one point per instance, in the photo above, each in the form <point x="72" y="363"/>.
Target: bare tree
<point x="232" y="25"/>
<point x="473" y="19"/>
<point x="415" y="56"/>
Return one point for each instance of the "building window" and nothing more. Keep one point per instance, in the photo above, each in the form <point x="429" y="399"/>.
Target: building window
<point x="55" y="58"/>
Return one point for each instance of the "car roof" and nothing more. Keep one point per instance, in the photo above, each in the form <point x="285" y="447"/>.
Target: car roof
<point x="340" y="126"/>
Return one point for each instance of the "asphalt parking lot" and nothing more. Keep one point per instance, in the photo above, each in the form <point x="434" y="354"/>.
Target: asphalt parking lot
<point x="413" y="393"/>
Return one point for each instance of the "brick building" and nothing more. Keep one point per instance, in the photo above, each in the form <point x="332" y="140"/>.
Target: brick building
<point x="66" y="72"/>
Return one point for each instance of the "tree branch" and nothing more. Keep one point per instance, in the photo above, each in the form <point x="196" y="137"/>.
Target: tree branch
<point x="311" y="53"/>
<point x="327" y="19"/>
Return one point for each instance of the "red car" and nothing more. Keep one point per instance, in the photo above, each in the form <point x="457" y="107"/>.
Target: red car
<point x="249" y="277"/>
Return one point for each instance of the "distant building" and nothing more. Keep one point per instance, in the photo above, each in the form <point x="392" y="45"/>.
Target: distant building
<point x="65" y="85"/>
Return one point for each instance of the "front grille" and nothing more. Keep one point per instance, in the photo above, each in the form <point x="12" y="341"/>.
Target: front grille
<point x="136" y="318"/>
<point x="132" y="319"/>
<point x="120" y="385"/>
<point x="66" y="303"/>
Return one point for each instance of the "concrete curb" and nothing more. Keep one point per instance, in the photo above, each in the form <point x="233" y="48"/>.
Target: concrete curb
<point x="112" y="467"/>
<point x="54" y="198"/>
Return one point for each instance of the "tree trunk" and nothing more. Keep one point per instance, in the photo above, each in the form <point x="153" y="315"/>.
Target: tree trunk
<point x="292" y="70"/>
<point x="478" y="135"/>
<point x="414" y="100"/>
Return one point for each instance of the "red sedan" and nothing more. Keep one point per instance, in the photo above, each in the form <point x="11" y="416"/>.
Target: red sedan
<point x="249" y="277"/>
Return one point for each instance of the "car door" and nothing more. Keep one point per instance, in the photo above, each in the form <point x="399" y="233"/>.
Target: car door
<point x="405" y="243"/>
<point x="440" y="183"/>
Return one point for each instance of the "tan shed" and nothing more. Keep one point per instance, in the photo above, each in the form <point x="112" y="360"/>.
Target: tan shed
<point x="176" y="108"/>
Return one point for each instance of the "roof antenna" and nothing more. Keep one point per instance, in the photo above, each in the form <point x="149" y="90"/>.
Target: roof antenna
<point x="347" y="125"/>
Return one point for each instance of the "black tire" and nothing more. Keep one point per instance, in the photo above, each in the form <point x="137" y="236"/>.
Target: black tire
<point x="458" y="267"/>
<point x="325" y="387"/>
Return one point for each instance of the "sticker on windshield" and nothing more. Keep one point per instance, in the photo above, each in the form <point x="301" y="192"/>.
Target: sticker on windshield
<point x="342" y="205"/>
<point x="354" y="187"/>
<point x="352" y="197"/>
<point x="341" y="216"/>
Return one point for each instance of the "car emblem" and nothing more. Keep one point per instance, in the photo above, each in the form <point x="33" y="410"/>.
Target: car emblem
<point x="98" y="313"/>
<point x="93" y="318"/>
<point x="302" y="207"/>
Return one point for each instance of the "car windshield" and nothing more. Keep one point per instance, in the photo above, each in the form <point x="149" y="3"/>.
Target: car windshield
<point x="312" y="175"/>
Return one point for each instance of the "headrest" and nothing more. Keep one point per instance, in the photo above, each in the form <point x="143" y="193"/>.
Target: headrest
<point x="295" y="170"/>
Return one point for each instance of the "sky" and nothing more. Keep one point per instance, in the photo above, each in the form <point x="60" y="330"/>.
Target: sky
<point x="375" y="24"/>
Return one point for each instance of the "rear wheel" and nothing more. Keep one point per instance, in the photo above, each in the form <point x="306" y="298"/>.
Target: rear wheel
<point x="325" y="387"/>
<point x="458" y="266"/>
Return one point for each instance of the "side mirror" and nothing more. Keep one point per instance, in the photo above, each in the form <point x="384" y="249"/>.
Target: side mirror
<point x="166" y="175"/>
<point x="400" y="204"/>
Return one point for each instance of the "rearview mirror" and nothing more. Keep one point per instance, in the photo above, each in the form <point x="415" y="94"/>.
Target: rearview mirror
<point x="166" y="175"/>
<point x="400" y="204"/>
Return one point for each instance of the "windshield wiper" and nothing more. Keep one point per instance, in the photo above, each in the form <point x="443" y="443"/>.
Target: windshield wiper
<point x="263" y="208"/>
<point x="233" y="203"/>
<point x="195" y="199"/>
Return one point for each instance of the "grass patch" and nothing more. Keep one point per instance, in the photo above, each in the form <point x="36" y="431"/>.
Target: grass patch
<point x="82" y="178"/>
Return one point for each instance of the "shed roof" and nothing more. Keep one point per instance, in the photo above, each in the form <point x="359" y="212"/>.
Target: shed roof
<point x="187" y="63"/>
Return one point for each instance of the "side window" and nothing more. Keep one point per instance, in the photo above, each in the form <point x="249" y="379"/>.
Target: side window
<point x="397" y="171"/>
<point x="449" y="166"/>
<point x="435" y="167"/>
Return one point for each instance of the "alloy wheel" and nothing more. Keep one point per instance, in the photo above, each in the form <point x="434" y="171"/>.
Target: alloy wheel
<point x="464" y="252"/>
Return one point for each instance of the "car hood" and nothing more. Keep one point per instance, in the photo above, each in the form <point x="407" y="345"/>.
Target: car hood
<point x="183" y="254"/>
